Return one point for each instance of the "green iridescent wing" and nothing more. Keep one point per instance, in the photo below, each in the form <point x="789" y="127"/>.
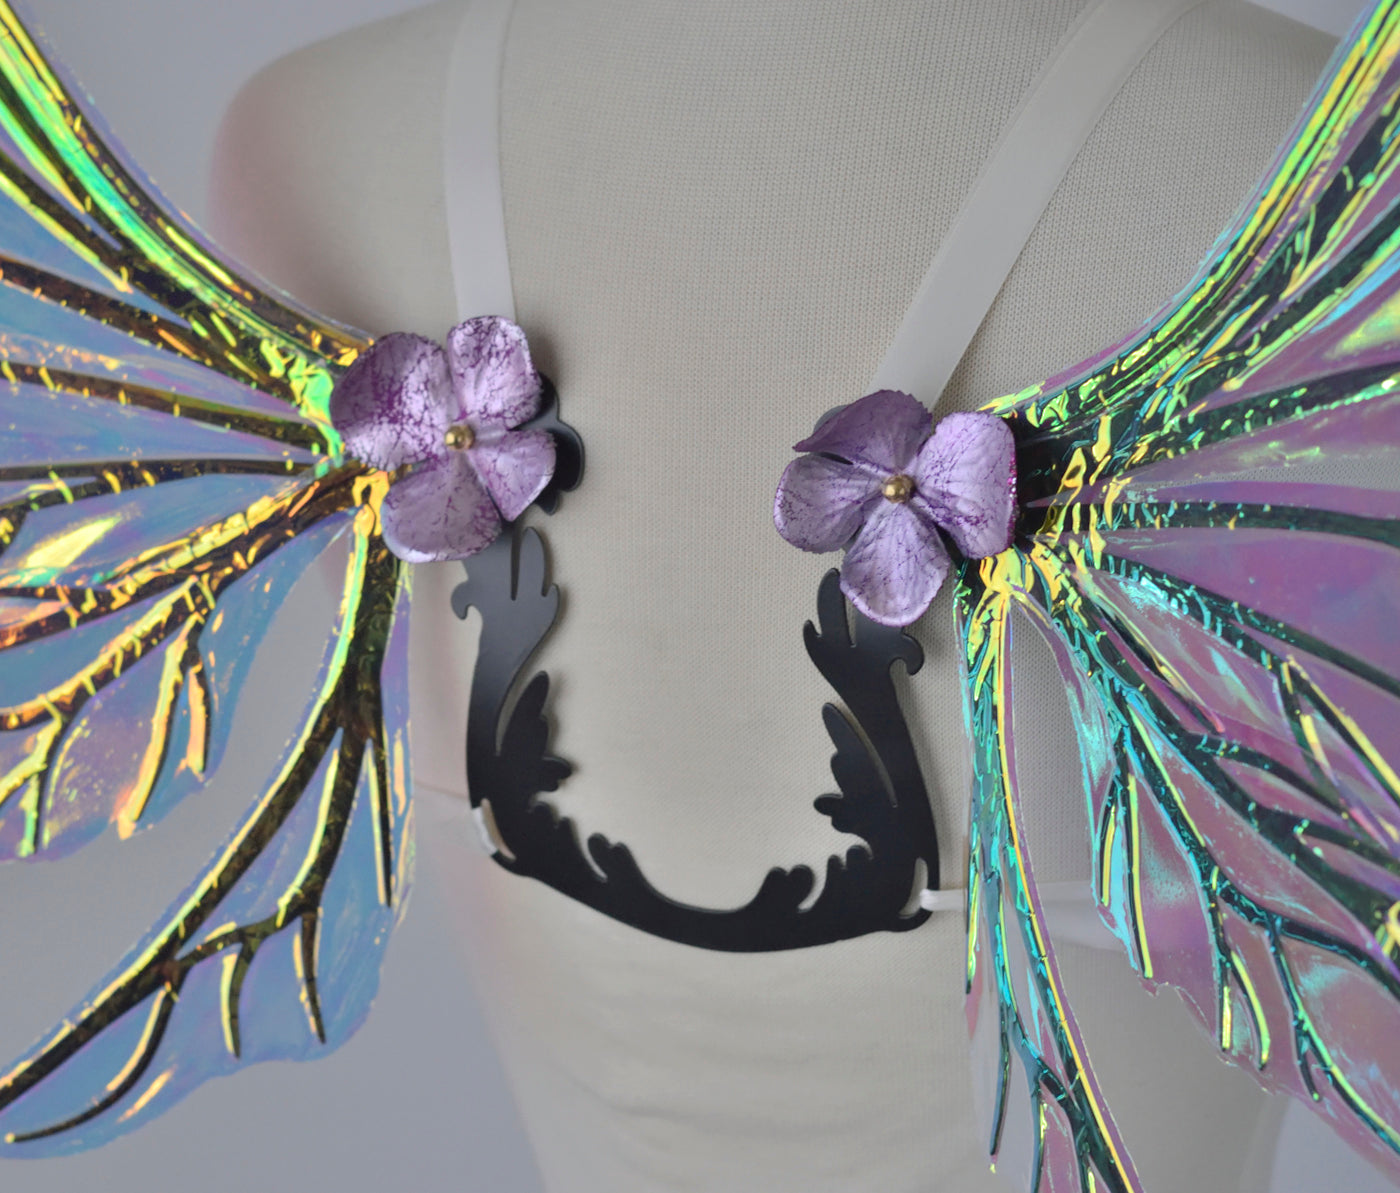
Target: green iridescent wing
<point x="167" y="474"/>
<point x="1211" y="552"/>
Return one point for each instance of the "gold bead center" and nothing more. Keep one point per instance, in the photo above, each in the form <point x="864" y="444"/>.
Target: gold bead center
<point x="898" y="488"/>
<point x="459" y="437"/>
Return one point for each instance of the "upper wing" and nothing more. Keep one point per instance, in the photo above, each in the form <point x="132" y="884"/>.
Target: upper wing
<point x="1212" y="553"/>
<point x="167" y="472"/>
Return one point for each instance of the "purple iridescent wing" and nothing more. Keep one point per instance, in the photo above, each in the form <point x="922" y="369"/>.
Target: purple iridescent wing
<point x="168" y="472"/>
<point x="1210" y="548"/>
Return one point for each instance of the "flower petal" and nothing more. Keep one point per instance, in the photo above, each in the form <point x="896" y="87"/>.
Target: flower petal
<point x="882" y="430"/>
<point x="441" y="511"/>
<point x="896" y="565"/>
<point x="821" y="502"/>
<point x="966" y="475"/>
<point x="495" y="380"/>
<point x="393" y="404"/>
<point x="514" y="466"/>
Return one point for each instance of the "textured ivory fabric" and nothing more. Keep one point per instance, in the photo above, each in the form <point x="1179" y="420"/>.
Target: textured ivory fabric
<point x="716" y="214"/>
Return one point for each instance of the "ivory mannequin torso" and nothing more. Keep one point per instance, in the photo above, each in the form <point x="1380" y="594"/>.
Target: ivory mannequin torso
<point x="716" y="216"/>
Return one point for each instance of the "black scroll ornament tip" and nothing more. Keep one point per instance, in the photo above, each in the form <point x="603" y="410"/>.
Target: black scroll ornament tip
<point x="568" y="448"/>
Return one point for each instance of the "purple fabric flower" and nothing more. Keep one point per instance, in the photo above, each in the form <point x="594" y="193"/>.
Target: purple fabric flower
<point x="452" y="415"/>
<point x="884" y="483"/>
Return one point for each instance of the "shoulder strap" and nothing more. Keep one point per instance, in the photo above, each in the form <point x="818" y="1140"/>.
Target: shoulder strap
<point x="1043" y="137"/>
<point x="476" y="222"/>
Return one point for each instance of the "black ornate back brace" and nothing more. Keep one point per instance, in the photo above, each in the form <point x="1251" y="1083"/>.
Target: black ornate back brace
<point x="883" y="799"/>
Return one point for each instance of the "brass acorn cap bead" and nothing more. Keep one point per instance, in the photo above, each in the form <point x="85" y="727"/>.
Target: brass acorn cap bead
<point x="898" y="488"/>
<point x="459" y="437"/>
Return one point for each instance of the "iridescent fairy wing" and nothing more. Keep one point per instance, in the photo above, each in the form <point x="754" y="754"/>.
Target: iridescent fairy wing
<point x="1211" y="551"/>
<point x="167" y="473"/>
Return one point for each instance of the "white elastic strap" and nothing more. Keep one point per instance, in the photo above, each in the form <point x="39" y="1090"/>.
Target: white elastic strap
<point x="947" y="900"/>
<point x="1070" y="913"/>
<point x="476" y="220"/>
<point x="483" y="831"/>
<point x="1057" y="114"/>
<point x="440" y="814"/>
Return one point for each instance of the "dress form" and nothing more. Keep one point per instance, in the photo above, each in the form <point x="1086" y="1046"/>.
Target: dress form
<point x="716" y="218"/>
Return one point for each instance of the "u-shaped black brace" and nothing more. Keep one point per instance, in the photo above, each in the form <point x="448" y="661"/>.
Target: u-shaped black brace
<point x="882" y="800"/>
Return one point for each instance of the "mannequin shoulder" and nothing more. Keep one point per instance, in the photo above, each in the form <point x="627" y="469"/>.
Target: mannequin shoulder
<point x="327" y="173"/>
<point x="1235" y="51"/>
<point x="1267" y="51"/>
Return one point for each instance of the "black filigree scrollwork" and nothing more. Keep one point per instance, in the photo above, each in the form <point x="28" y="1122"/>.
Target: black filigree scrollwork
<point x="882" y="798"/>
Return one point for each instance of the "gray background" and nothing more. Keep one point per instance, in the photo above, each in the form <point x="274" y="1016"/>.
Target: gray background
<point x="416" y="1100"/>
